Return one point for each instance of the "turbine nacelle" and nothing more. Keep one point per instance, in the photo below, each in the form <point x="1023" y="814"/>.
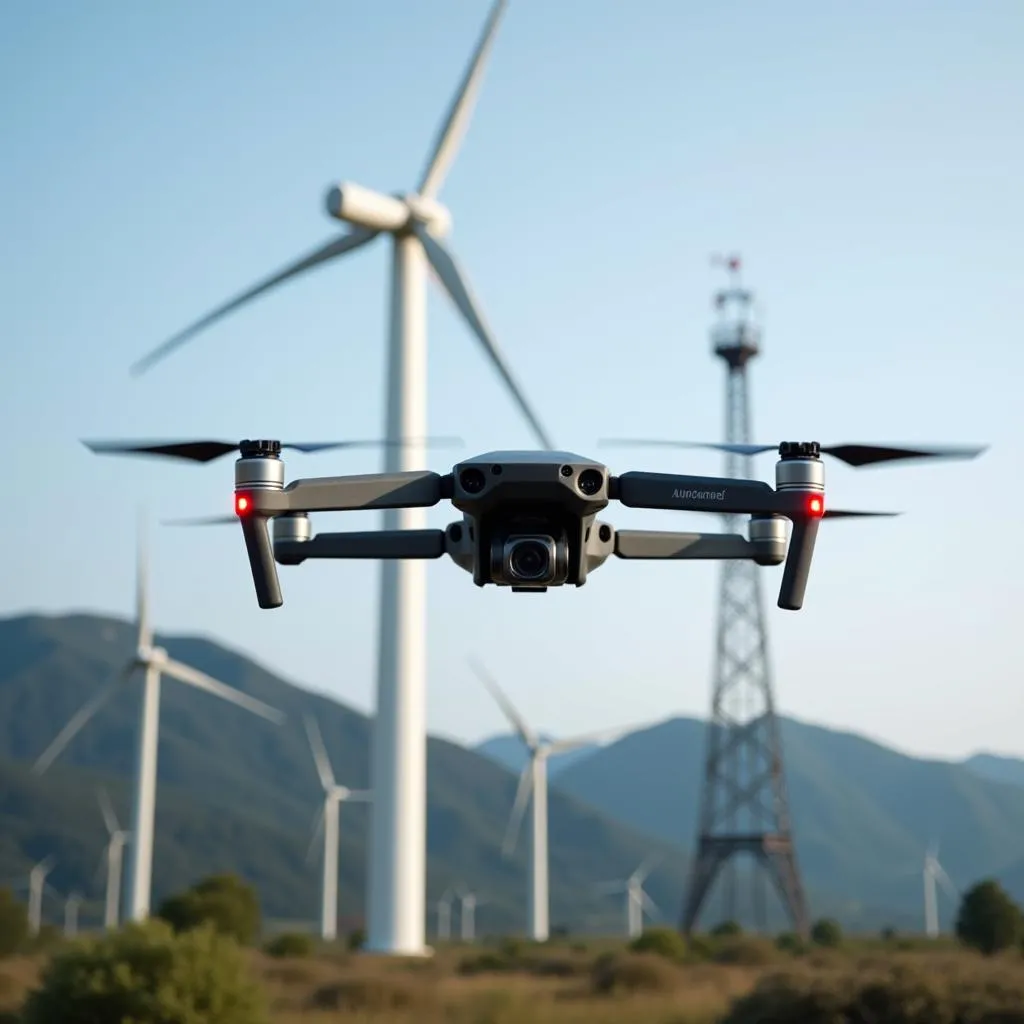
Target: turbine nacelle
<point x="374" y="211"/>
<point x="150" y="656"/>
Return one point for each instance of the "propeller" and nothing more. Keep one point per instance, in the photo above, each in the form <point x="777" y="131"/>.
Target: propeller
<point x="207" y="451"/>
<point x="858" y="455"/>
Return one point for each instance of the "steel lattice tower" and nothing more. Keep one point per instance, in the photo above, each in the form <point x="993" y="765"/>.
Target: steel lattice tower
<point x="744" y="806"/>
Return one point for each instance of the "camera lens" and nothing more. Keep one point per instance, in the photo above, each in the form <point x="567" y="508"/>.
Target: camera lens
<point x="530" y="560"/>
<point x="590" y="481"/>
<point x="472" y="481"/>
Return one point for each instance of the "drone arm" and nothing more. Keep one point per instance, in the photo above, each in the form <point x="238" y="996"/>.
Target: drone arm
<point x="657" y="544"/>
<point x="368" y="544"/>
<point x="699" y="494"/>
<point x="418" y="489"/>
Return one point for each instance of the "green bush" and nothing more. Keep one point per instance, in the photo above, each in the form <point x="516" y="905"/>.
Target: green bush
<point x="665" y="942"/>
<point x="744" y="950"/>
<point x="290" y="944"/>
<point x="356" y="939"/>
<point x="885" y="995"/>
<point x="373" y="995"/>
<point x="989" y="920"/>
<point x="613" y="973"/>
<point x="13" y="924"/>
<point x="790" y="942"/>
<point x="225" y="902"/>
<point x="726" y="928"/>
<point x="827" y="932"/>
<point x="147" y="974"/>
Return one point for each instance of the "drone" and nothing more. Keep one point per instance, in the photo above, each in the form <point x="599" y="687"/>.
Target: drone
<point x="529" y="518"/>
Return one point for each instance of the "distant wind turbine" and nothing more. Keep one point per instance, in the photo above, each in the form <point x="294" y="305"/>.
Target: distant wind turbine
<point x="327" y="821"/>
<point x="534" y="779"/>
<point x="71" y="905"/>
<point x="468" y="902"/>
<point x="637" y="900"/>
<point x="444" y="915"/>
<point x="113" y="854"/>
<point x="36" y="883"/>
<point x="154" y="662"/>
<point x="934" y="873"/>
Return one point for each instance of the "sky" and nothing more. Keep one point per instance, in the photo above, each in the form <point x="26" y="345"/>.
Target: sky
<point x="864" y="159"/>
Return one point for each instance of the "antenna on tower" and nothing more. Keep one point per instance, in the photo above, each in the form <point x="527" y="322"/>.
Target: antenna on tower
<point x="744" y="806"/>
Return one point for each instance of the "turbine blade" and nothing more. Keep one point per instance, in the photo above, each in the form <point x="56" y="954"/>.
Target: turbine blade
<point x="455" y="284"/>
<point x="201" y="681"/>
<point x="649" y="905"/>
<point x="573" y="742"/>
<point x="359" y="796"/>
<point x="648" y="864"/>
<point x="611" y="887"/>
<point x="515" y="819"/>
<point x="516" y="720"/>
<point x="331" y="250"/>
<point x="79" y="719"/>
<point x="446" y="144"/>
<point x="318" y="828"/>
<point x="107" y="810"/>
<point x="319" y="751"/>
<point x="145" y="634"/>
<point x="945" y="881"/>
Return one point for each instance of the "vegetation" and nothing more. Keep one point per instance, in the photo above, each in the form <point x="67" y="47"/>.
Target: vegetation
<point x="224" y="902"/>
<point x="827" y="932"/>
<point x="152" y="975"/>
<point x="989" y="920"/>
<point x="13" y="924"/>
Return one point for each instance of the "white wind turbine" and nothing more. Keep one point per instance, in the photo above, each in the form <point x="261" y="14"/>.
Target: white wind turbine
<point x="934" y="873"/>
<point x="36" y="884"/>
<point x="444" y="915"/>
<point x="534" y="779"/>
<point x="154" y="663"/>
<point x="416" y="222"/>
<point x="637" y="900"/>
<point x="71" y="906"/>
<point x="113" y="854"/>
<point x="327" y="821"/>
<point x="468" y="902"/>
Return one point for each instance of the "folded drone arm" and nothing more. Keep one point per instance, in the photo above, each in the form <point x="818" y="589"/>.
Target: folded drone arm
<point x="418" y="489"/>
<point x="699" y="494"/>
<point x="364" y="544"/>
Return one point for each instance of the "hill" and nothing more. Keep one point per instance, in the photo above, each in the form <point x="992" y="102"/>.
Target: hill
<point x="863" y="814"/>
<point x="997" y="768"/>
<point x="508" y="750"/>
<point x="239" y="793"/>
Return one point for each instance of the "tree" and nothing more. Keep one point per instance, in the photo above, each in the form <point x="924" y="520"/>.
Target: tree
<point x="989" y="920"/>
<point x="726" y="928"/>
<point x="225" y="902"/>
<point x="13" y="924"/>
<point x="827" y="932"/>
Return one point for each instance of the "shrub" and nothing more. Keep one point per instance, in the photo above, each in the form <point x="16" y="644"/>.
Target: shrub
<point x="745" y="950"/>
<point x="356" y="939"/>
<point x="290" y="944"/>
<point x="988" y="920"/>
<point x="827" y="932"/>
<point x="790" y="942"/>
<point x="632" y="972"/>
<point x="147" y="974"/>
<point x="225" y="902"/>
<point x="665" y="942"/>
<point x="726" y="928"/>
<point x="373" y="994"/>
<point x="891" y="995"/>
<point x="13" y="924"/>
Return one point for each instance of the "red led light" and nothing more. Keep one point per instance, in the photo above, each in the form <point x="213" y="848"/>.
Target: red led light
<point x="815" y="506"/>
<point x="242" y="504"/>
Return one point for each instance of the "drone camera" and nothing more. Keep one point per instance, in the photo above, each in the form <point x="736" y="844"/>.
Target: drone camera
<point x="259" y="468"/>
<point x="530" y="562"/>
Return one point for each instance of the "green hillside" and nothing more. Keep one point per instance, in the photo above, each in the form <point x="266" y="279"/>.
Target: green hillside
<point x="863" y="814"/>
<point x="238" y="793"/>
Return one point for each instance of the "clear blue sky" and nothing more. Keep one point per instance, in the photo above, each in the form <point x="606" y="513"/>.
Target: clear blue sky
<point x="866" y="159"/>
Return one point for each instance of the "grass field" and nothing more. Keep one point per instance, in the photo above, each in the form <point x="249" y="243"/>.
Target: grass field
<point x="602" y="983"/>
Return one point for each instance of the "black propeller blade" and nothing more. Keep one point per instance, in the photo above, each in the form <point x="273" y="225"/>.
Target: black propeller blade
<point x="852" y="454"/>
<point x="207" y="451"/>
<point x="842" y="513"/>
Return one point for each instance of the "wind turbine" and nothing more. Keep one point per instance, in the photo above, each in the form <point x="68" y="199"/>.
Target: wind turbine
<point x="468" y="902"/>
<point x="444" y="915"/>
<point x="113" y="853"/>
<point x="534" y="778"/>
<point x="36" y="884"/>
<point x="154" y="663"/>
<point x="934" y="873"/>
<point x="416" y="222"/>
<point x="71" y="905"/>
<point x="327" y="820"/>
<point x="637" y="900"/>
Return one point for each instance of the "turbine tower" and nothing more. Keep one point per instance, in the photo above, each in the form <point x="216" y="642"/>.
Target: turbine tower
<point x="327" y="820"/>
<point x="416" y="223"/>
<point x="154" y="663"/>
<point x="637" y="900"/>
<point x="114" y="855"/>
<point x="745" y="808"/>
<point x="468" y="902"/>
<point x="36" y="884"/>
<point x="534" y="778"/>
<point x="444" y="915"/>
<point x="934" y="872"/>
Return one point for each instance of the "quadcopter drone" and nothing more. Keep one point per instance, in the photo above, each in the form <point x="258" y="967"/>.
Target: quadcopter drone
<point x="529" y="518"/>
